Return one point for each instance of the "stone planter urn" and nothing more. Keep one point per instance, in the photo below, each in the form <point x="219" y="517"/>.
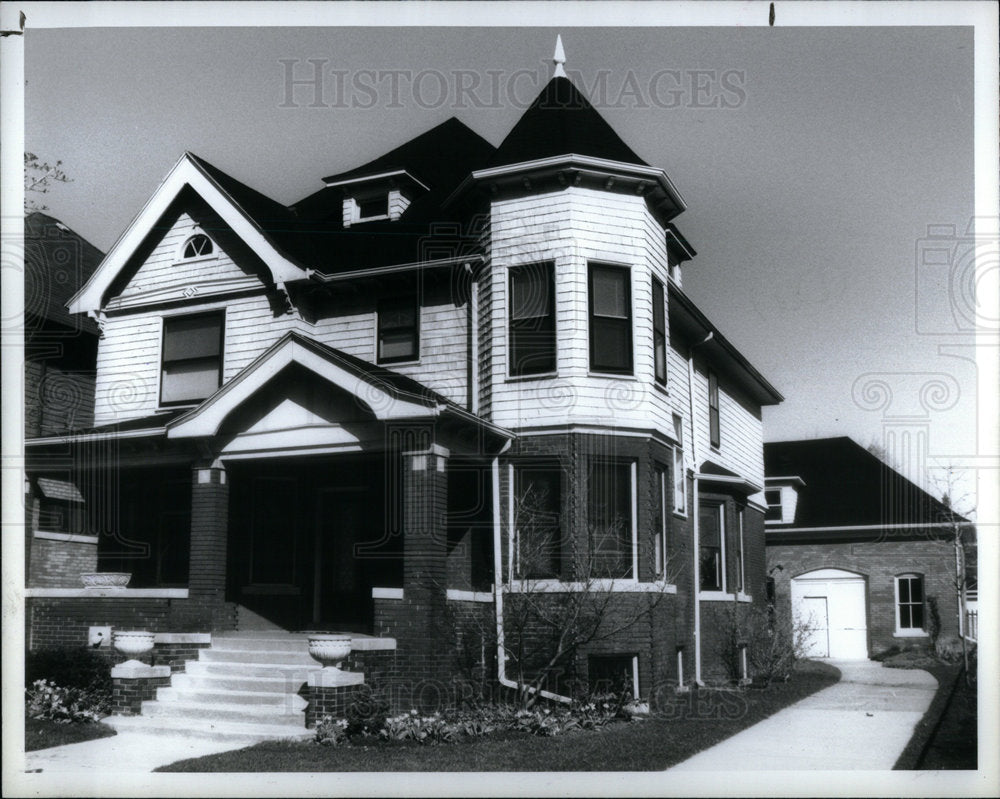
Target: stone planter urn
<point x="108" y="581"/>
<point x="330" y="650"/>
<point x="132" y="643"/>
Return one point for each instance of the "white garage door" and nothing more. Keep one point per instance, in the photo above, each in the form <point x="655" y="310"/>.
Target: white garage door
<point x="832" y="603"/>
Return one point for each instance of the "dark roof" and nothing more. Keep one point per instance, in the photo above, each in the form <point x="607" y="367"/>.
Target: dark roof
<point x="440" y="158"/>
<point x="394" y="381"/>
<point x="57" y="262"/>
<point x="274" y="220"/>
<point x="845" y="485"/>
<point x="561" y="121"/>
<point x="153" y="422"/>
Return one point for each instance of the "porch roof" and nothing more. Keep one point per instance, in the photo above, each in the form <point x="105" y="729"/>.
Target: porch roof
<point x="386" y="394"/>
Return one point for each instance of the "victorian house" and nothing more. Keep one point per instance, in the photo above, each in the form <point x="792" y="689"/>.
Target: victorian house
<point x="332" y="415"/>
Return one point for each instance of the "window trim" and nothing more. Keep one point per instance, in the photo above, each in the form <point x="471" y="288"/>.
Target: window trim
<point x="679" y="475"/>
<point x="512" y="271"/>
<point x="660" y="542"/>
<point x="416" y="329"/>
<point x="722" y="588"/>
<point x="515" y="532"/>
<point x="769" y="506"/>
<point x="633" y="513"/>
<point x="626" y="323"/>
<point x="714" y="421"/>
<point x="197" y="233"/>
<point x="221" y="314"/>
<point x="657" y="285"/>
<point x="910" y="632"/>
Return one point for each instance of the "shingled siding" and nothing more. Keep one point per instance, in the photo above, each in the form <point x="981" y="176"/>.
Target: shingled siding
<point x="879" y="561"/>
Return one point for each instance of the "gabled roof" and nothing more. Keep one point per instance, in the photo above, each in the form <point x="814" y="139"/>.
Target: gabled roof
<point x="387" y="395"/>
<point x="845" y="485"/>
<point x="57" y="261"/>
<point x="560" y="121"/>
<point x="262" y="223"/>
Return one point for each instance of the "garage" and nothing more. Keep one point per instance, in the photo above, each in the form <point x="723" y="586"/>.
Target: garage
<point x="833" y="603"/>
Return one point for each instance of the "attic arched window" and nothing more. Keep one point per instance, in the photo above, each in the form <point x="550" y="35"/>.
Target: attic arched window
<point x="198" y="246"/>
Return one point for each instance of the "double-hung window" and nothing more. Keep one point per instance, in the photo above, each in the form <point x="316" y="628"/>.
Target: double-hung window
<point x="713" y="409"/>
<point x="538" y="531"/>
<point x="772" y="496"/>
<point x="532" y="319"/>
<point x="711" y="556"/>
<point x="610" y="319"/>
<point x="659" y="334"/>
<point x="609" y="518"/>
<point x="398" y="329"/>
<point x="660" y="553"/>
<point x="680" y="478"/>
<point x="910" y="604"/>
<point x="191" y="366"/>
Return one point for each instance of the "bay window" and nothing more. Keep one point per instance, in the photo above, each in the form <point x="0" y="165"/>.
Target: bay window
<point x="610" y="319"/>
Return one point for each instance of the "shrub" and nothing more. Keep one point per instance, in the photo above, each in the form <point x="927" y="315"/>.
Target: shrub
<point x="774" y="642"/>
<point x="366" y="715"/>
<point x="331" y="731"/>
<point x="948" y="648"/>
<point x="69" y="667"/>
<point x="46" y="700"/>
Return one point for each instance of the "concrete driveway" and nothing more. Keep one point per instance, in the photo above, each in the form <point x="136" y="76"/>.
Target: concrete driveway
<point x="862" y="723"/>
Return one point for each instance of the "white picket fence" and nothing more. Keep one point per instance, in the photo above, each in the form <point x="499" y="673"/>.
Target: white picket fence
<point x="972" y="625"/>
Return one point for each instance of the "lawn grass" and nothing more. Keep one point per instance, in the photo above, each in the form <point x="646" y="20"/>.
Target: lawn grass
<point x="947" y="736"/>
<point x="44" y="734"/>
<point x="692" y="723"/>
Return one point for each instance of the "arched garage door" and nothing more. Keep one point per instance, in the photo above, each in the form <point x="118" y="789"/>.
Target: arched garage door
<point x="832" y="602"/>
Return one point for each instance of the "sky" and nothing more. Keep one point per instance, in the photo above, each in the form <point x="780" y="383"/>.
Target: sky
<point x="812" y="162"/>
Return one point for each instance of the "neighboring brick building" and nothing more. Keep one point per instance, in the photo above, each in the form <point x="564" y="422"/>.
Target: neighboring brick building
<point x="452" y="377"/>
<point x="858" y="549"/>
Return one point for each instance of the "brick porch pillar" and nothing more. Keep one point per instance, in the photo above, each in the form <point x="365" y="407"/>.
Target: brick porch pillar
<point x="422" y="640"/>
<point x="209" y="531"/>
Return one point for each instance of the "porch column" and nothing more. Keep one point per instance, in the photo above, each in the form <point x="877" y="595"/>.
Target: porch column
<point x="423" y="642"/>
<point x="209" y="528"/>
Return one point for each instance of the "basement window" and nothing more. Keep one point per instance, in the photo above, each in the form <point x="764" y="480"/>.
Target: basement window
<point x="613" y="674"/>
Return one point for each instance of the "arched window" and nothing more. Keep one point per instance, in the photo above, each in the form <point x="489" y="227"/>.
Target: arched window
<point x="910" y="604"/>
<point x="198" y="246"/>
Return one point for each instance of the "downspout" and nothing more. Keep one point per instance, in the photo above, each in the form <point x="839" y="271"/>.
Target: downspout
<point x="498" y="595"/>
<point x="473" y="340"/>
<point x="696" y="536"/>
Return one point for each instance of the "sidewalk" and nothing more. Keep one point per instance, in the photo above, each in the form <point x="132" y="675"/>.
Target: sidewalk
<point x="862" y="723"/>
<point x="129" y="752"/>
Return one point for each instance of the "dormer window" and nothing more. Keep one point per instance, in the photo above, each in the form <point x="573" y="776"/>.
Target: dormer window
<point x="198" y="246"/>
<point x="373" y="207"/>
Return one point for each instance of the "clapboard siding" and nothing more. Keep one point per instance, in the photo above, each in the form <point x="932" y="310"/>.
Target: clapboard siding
<point x="164" y="267"/>
<point x="741" y="445"/>
<point x="573" y="228"/>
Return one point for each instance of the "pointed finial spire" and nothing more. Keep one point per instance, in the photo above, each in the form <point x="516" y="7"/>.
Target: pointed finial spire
<point x="559" y="58"/>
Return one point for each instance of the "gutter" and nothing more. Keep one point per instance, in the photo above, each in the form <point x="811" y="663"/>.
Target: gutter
<point x="378" y="271"/>
<point x="502" y="677"/>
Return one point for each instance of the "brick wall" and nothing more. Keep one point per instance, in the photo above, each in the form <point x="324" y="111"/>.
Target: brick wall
<point x="879" y="561"/>
<point x="127" y="695"/>
<point x="59" y="564"/>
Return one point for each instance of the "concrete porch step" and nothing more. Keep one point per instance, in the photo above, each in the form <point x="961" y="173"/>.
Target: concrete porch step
<point x="229" y="731"/>
<point x="289" y="701"/>
<point x="294" y="657"/>
<point x="277" y="686"/>
<point x="223" y="711"/>
<point x="289" y="671"/>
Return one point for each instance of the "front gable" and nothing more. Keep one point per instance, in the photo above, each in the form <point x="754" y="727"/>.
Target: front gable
<point x="191" y="255"/>
<point x="188" y="174"/>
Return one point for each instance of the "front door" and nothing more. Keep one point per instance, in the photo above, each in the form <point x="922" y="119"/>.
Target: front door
<point x="341" y="591"/>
